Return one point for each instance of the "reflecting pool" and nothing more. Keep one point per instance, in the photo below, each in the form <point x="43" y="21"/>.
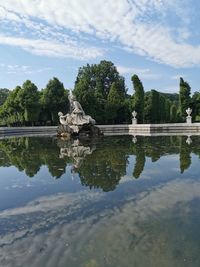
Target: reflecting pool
<point x="107" y="202"/>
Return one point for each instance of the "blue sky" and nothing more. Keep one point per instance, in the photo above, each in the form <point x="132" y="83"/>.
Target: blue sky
<point x="159" y="40"/>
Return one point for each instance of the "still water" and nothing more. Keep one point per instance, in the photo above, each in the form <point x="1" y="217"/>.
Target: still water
<point x="110" y="202"/>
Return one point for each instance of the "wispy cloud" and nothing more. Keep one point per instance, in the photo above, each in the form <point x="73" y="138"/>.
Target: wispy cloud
<point x="171" y="88"/>
<point x="177" y="77"/>
<point x="132" y="24"/>
<point x="21" y="69"/>
<point x="142" y="73"/>
<point x="53" y="48"/>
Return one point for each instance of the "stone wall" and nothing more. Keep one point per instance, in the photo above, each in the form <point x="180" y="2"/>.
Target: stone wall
<point x="120" y="129"/>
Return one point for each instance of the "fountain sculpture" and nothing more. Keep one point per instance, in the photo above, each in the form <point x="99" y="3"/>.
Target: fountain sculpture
<point x="76" y="122"/>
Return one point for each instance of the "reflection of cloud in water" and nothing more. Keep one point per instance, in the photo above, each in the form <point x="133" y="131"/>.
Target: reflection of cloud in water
<point x="125" y="179"/>
<point x="54" y="202"/>
<point x="71" y="230"/>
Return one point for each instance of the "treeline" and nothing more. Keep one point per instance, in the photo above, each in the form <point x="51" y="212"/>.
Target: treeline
<point x="102" y="93"/>
<point x="26" y="105"/>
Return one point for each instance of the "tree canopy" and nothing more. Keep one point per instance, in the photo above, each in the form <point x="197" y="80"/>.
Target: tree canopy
<point x="92" y="89"/>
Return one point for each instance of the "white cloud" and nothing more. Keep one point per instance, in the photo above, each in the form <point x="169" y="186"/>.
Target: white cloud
<point x="142" y="73"/>
<point x="171" y="88"/>
<point x="21" y="69"/>
<point x="130" y="23"/>
<point x="177" y="77"/>
<point x="52" y="47"/>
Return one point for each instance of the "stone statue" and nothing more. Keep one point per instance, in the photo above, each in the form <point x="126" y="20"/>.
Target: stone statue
<point x="76" y="120"/>
<point x="78" y="114"/>
<point x="65" y="119"/>
<point x="189" y="117"/>
<point x="134" y="119"/>
<point x="189" y="111"/>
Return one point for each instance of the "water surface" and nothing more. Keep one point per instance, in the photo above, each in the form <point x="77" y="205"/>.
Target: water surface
<point x="113" y="201"/>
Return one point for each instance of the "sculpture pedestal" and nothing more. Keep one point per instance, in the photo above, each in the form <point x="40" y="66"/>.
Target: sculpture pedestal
<point x="188" y="119"/>
<point x="76" y="130"/>
<point x="134" y="121"/>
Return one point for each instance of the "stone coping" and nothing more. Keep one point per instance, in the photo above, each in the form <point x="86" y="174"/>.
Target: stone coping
<point x="116" y="129"/>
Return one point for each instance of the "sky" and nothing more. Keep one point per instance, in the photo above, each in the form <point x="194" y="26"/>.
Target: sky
<point x="159" y="40"/>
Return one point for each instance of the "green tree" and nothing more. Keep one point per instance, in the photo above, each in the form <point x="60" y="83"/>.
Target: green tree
<point x="162" y="109"/>
<point x="11" y="112"/>
<point x="195" y="105"/>
<point x="155" y="106"/>
<point x="4" y="93"/>
<point x="184" y="97"/>
<point x="152" y="107"/>
<point x="167" y="110"/>
<point x="173" y="113"/>
<point x="54" y="99"/>
<point x="115" y="102"/>
<point x="28" y="98"/>
<point x="138" y="98"/>
<point x="92" y="87"/>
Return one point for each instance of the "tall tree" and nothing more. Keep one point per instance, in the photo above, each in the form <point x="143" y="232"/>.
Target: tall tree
<point x="167" y="110"/>
<point x="147" y="107"/>
<point x="54" y="99"/>
<point x="184" y="97"/>
<point x="12" y="113"/>
<point x="195" y="105"/>
<point x="92" y="87"/>
<point x="138" y="98"/>
<point x="155" y="106"/>
<point x="28" y="98"/>
<point x="173" y="113"/>
<point x="3" y="95"/>
<point x="152" y="107"/>
<point x="115" y="102"/>
<point x="162" y="109"/>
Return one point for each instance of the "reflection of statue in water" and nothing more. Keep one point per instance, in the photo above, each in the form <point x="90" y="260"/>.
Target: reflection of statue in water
<point x="189" y="140"/>
<point x="77" y="152"/>
<point x="76" y="120"/>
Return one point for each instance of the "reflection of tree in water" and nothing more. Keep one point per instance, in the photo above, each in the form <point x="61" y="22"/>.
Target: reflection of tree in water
<point x="105" y="167"/>
<point x="100" y="163"/>
<point x="156" y="147"/>
<point x="138" y="150"/>
<point x="152" y="147"/>
<point x="21" y="153"/>
<point x="29" y="154"/>
<point x="185" y="158"/>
